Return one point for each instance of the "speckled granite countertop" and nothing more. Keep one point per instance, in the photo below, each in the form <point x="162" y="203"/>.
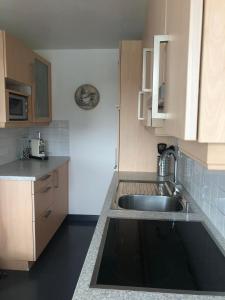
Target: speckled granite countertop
<point x="84" y="292"/>
<point x="31" y="169"/>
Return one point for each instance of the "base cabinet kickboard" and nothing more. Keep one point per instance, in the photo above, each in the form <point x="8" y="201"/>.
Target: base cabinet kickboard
<point x="30" y="214"/>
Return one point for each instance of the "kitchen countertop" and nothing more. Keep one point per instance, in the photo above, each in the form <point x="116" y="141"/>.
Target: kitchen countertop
<point x="83" y="290"/>
<point x="31" y="169"/>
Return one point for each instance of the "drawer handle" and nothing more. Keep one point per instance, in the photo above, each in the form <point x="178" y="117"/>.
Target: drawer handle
<point x="48" y="213"/>
<point x="56" y="179"/>
<point x="45" y="177"/>
<point x="46" y="190"/>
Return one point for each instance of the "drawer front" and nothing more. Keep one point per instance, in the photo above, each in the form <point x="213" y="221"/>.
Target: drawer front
<point x="46" y="225"/>
<point x="43" y="183"/>
<point x="42" y="200"/>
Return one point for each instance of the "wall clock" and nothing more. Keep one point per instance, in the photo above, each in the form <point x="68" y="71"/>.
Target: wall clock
<point x="87" y="96"/>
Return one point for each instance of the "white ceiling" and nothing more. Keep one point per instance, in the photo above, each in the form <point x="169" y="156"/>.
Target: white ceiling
<point x="68" y="24"/>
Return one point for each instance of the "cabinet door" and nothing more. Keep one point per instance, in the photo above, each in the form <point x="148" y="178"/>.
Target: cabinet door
<point x="184" y="26"/>
<point x="42" y="90"/>
<point x="18" y="60"/>
<point x="212" y="104"/>
<point x="55" y="209"/>
<point x="155" y="21"/>
<point x="138" y="145"/>
<point x="154" y="60"/>
<point x="16" y="224"/>
<point x="45" y="227"/>
<point x="60" y="191"/>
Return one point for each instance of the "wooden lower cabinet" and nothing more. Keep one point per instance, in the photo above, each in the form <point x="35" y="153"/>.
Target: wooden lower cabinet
<point x="52" y="216"/>
<point x="45" y="227"/>
<point x="16" y="221"/>
<point x="60" y="191"/>
<point x="30" y="214"/>
<point x="42" y="201"/>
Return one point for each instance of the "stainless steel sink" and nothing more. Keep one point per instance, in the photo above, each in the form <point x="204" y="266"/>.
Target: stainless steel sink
<point x="151" y="203"/>
<point x="149" y="196"/>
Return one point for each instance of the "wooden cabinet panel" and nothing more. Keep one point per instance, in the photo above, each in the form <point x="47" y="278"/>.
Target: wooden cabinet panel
<point x="60" y="191"/>
<point x="212" y="103"/>
<point x="42" y="201"/>
<point x="138" y="144"/>
<point x="51" y="218"/>
<point x="42" y="183"/>
<point x="184" y="25"/>
<point x="212" y="156"/>
<point x="45" y="227"/>
<point x="18" y="60"/>
<point x="155" y="21"/>
<point x="16" y="224"/>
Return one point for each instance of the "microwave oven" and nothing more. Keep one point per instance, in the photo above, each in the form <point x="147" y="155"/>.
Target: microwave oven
<point x="18" y="106"/>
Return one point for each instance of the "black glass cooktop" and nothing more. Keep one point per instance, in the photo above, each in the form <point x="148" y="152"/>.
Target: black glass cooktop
<point x="161" y="255"/>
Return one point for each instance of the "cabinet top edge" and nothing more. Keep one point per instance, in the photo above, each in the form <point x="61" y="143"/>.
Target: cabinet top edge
<point x="31" y="170"/>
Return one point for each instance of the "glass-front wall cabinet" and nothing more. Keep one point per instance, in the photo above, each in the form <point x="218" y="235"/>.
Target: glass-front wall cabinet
<point x="42" y="90"/>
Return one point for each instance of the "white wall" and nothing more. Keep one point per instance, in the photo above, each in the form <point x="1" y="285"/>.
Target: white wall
<point x="92" y="133"/>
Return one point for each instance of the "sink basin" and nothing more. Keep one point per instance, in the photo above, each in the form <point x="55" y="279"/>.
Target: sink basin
<point x="151" y="203"/>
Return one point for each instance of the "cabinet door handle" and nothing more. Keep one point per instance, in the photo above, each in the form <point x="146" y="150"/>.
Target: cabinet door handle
<point x="46" y="190"/>
<point x="140" y="106"/>
<point x="45" y="177"/>
<point x="56" y="179"/>
<point x="48" y="213"/>
<point x="144" y="69"/>
<point x="156" y="68"/>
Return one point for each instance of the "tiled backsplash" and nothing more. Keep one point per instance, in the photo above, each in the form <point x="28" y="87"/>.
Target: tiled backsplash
<point x="9" y="141"/>
<point x="206" y="187"/>
<point x="56" y="135"/>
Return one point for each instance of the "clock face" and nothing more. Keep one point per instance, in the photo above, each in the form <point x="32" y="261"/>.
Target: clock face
<point x="87" y="96"/>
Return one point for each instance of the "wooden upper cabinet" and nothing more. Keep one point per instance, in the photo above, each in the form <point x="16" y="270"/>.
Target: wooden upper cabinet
<point x="24" y="72"/>
<point x="42" y="110"/>
<point x="18" y="60"/>
<point x="154" y="62"/>
<point x="179" y="24"/>
<point x="184" y="28"/>
<point x="195" y="73"/>
<point x="137" y="144"/>
<point x="155" y="21"/>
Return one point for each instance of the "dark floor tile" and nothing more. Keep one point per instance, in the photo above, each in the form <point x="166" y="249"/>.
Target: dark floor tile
<point x="55" y="274"/>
